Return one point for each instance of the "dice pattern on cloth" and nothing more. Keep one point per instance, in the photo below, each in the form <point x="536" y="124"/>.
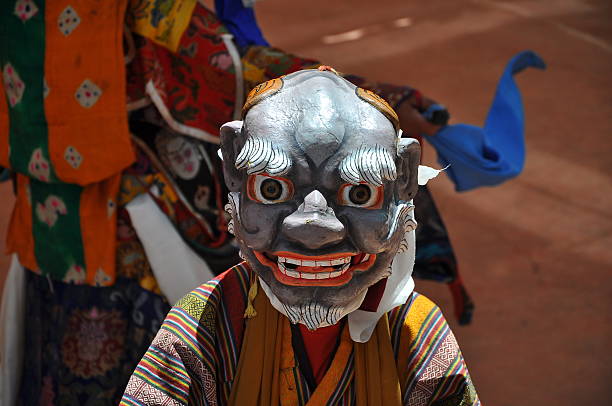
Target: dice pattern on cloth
<point x="102" y="278"/>
<point x="73" y="157"/>
<point x="75" y="274"/>
<point x="68" y="21"/>
<point x="13" y="84"/>
<point x="50" y="210"/>
<point x="25" y="9"/>
<point x="88" y="93"/>
<point x="110" y="208"/>
<point x="38" y="166"/>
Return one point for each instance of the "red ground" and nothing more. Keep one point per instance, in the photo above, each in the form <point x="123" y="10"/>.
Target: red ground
<point x="535" y="253"/>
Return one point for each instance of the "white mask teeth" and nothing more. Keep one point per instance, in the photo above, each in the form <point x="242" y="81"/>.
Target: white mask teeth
<point x="292" y="261"/>
<point x="293" y="274"/>
<point x="341" y="265"/>
<point x="335" y="274"/>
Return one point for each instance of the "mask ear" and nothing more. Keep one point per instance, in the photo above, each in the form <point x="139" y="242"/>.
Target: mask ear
<point x="409" y="152"/>
<point x="231" y="142"/>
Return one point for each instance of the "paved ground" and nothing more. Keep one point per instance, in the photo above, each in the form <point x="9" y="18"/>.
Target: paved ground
<point x="535" y="253"/>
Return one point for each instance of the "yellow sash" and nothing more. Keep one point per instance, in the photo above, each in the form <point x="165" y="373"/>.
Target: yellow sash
<point x="265" y="369"/>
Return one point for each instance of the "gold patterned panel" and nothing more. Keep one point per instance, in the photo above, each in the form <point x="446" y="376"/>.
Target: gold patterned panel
<point x="260" y="92"/>
<point x="380" y="104"/>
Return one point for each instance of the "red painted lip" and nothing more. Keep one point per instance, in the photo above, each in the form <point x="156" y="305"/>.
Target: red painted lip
<point x="357" y="264"/>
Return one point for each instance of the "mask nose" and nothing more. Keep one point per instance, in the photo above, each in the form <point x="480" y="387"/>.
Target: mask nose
<point x="314" y="223"/>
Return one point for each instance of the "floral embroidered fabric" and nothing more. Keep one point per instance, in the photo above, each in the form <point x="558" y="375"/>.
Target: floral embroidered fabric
<point x="84" y="342"/>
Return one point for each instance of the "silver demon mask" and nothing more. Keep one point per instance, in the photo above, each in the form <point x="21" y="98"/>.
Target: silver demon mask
<point x="320" y="192"/>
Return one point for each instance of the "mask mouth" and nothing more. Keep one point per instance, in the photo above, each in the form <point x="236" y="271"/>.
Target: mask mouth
<point x="325" y="270"/>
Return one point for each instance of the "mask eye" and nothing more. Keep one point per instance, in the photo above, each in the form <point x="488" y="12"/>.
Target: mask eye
<point x="269" y="190"/>
<point x="362" y="195"/>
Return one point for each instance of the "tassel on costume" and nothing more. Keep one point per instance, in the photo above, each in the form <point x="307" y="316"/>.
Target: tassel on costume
<point x="250" y="312"/>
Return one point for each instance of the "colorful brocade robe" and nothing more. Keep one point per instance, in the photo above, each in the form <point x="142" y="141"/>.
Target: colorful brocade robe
<point x="193" y="359"/>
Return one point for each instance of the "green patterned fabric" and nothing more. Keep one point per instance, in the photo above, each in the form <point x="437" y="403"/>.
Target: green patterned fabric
<point x="56" y="222"/>
<point x="22" y="59"/>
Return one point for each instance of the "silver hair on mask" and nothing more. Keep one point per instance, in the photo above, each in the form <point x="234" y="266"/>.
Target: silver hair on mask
<point x="230" y="223"/>
<point x="314" y="315"/>
<point x="231" y="208"/>
<point x="404" y="244"/>
<point x="259" y="155"/>
<point x="403" y="217"/>
<point x="371" y="164"/>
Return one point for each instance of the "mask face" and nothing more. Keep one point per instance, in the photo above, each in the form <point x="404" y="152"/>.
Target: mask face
<point x="181" y="155"/>
<point x="321" y="191"/>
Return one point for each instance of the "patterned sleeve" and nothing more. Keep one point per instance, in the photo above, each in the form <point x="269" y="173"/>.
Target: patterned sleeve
<point x="172" y="371"/>
<point x="454" y="387"/>
<point x="432" y="368"/>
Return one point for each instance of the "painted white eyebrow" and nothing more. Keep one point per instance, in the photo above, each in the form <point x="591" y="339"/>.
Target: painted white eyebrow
<point x="371" y="164"/>
<point x="259" y="155"/>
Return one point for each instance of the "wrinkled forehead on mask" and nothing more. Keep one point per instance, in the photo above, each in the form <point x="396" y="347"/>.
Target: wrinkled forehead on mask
<point x="319" y="114"/>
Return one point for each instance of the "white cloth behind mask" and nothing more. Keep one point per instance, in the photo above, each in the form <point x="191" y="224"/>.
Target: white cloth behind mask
<point x="176" y="267"/>
<point x="399" y="287"/>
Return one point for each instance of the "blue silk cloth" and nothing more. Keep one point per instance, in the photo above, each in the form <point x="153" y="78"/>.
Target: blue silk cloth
<point x="240" y="21"/>
<point x="495" y="153"/>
